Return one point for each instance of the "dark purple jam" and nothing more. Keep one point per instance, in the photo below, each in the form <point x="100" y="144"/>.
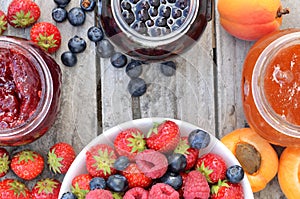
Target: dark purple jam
<point x="155" y="18"/>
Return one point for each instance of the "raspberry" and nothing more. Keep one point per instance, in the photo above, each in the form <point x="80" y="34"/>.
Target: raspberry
<point x="163" y="191"/>
<point x="152" y="163"/>
<point x="99" y="194"/>
<point x="136" y="192"/>
<point x="196" y="186"/>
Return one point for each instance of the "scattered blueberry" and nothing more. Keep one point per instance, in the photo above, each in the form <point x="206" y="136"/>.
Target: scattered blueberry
<point x="137" y="87"/>
<point x="88" y="5"/>
<point x="121" y="163"/>
<point x="62" y="3"/>
<point x="117" y="183"/>
<point x="134" y="69"/>
<point x="68" y="58"/>
<point x="177" y="162"/>
<point x="68" y="195"/>
<point x="235" y="173"/>
<point x="95" y="33"/>
<point x="76" y="16"/>
<point x="172" y="179"/>
<point x="97" y="183"/>
<point x="104" y="48"/>
<point x="59" y="14"/>
<point x="76" y="44"/>
<point x="168" y="68"/>
<point x="118" y="60"/>
<point x="199" y="139"/>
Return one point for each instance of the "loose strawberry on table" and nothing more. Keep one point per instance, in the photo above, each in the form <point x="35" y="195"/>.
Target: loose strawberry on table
<point x="23" y="13"/>
<point x="4" y="162"/>
<point x="14" y="189"/>
<point x="46" y="189"/>
<point x="3" y="22"/>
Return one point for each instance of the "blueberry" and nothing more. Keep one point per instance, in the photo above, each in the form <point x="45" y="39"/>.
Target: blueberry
<point x="137" y="87"/>
<point x="177" y="162"/>
<point x="95" y="33"/>
<point x="68" y="58"/>
<point x="62" y="3"/>
<point x="199" y="139"/>
<point x="76" y="16"/>
<point x="121" y="163"/>
<point x="117" y="183"/>
<point x="134" y="69"/>
<point x="97" y="183"/>
<point x="68" y="195"/>
<point x="88" y="5"/>
<point x="104" y="48"/>
<point x="235" y="173"/>
<point x="168" y="68"/>
<point x="76" y="44"/>
<point x="59" y="14"/>
<point x="118" y="60"/>
<point x="172" y="179"/>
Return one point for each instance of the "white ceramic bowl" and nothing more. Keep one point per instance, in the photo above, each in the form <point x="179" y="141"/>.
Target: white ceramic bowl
<point x="215" y="146"/>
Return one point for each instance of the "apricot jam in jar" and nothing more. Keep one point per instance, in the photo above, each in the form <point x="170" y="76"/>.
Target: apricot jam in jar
<point x="30" y="82"/>
<point x="271" y="87"/>
<point x="154" y="29"/>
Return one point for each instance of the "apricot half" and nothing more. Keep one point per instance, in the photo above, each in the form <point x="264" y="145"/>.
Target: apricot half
<point x="256" y="155"/>
<point x="250" y="19"/>
<point x="289" y="172"/>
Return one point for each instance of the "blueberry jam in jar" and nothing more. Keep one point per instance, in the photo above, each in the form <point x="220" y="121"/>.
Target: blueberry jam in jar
<point x="30" y="82"/>
<point x="154" y="29"/>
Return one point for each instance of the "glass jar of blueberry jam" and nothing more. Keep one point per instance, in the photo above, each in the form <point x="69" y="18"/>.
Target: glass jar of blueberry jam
<point x="154" y="29"/>
<point x="30" y="82"/>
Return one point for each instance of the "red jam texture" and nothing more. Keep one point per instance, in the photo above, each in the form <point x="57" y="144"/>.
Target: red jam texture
<point x="20" y="88"/>
<point x="282" y="84"/>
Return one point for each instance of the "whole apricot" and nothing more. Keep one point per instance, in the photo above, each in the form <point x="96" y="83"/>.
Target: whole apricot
<point x="289" y="172"/>
<point x="256" y="155"/>
<point x="251" y="19"/>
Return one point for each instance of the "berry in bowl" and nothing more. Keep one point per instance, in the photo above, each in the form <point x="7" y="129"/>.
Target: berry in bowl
<point x="152" y="158"/>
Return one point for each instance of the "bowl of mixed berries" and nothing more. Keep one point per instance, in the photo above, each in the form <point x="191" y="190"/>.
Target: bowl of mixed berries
<point x="154" y="158"/>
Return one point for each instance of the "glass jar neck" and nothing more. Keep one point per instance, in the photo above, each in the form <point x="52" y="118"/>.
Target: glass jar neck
<point x="277" y="122"/>
<point x="154" y="41"/>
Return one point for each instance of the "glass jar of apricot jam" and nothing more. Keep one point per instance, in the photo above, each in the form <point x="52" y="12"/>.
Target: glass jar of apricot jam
<point x="30" y="82"/>
<point x="271" y="87"/>
<point x="154" y="29"/>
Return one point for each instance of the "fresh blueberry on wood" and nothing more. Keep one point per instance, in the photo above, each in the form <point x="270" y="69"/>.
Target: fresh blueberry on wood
<point x="59" y="14"/>
<point x="137" y="87"/>
<point x="62" y="3"/>
<point x="105" y="49"/>
<point x="168" y="68"/>
<point x="134" y="68"/>
<point x="76" y="16"/>
<point x="95" y="33"/>
<point x="76" y="44"/>
<point x="118" y="60"/>
<point x="69" y="59"/>
<point x="88" y="5"/>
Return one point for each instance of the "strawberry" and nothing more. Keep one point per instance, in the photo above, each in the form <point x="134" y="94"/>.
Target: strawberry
<point x="135" y="177"/>
<point x="196" y="186"/>
<point x="227" y="190"/>
<point x="100" y="161"/>
<point x="129" y="142"/>
<point x="3" y="22"/>
<point x="13" y="189"/>
<point x="27" y="164"/>
<point x="46" y="188"/>
<point x="190" y="153"/>
<point x="81" y="185"/>
<point x="23" y="13"/>
<point x="4" y="162"/>
<point x="163" y="137"/>
<point x="212" y="166"/>
<point x="46" y="35"/>
<point x="60" y="157"/>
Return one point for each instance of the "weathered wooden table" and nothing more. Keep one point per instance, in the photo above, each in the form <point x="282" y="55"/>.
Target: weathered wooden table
<point x="205" y="90"/>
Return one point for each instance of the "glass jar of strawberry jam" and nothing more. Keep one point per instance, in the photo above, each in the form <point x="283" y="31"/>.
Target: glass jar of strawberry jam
<point x="30" y="82"/>
<point x="271" y="87"/>
<point x="154" y="29"/>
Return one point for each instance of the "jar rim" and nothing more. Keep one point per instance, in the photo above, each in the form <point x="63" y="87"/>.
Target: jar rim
<point x="153" y="42"/>
<point x="265" y="110"/>
<point x="44" y="103"/>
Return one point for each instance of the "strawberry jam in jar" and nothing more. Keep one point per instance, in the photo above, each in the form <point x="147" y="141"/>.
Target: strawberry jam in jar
<point x="271" y="87"/>
<point x="154" y="29"/>
<point x="30" y="83"/>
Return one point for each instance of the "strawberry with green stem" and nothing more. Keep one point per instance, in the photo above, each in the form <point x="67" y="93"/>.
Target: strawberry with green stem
<point x="224" y="189"/>
<point x="46" y="188"/>
<point x="14" y="189"/>
<point x="190" y="153"/>
<point x="3" y="22"/>
<point x="81" y="185"/>
<point x="4" y="162"/>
